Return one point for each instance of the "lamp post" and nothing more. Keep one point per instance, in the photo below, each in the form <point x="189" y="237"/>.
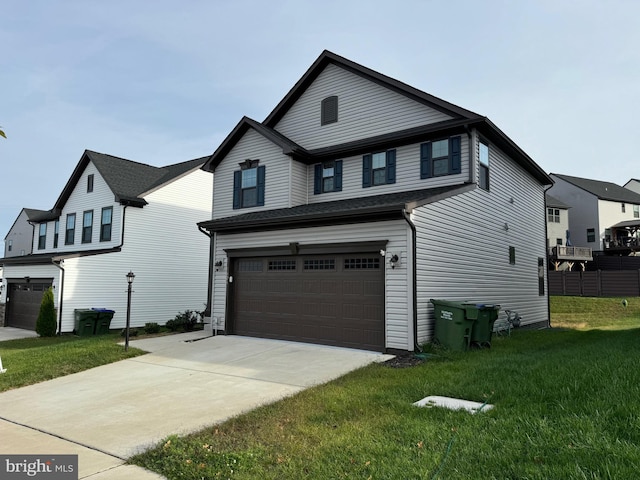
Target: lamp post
<point x="130" y="276"/>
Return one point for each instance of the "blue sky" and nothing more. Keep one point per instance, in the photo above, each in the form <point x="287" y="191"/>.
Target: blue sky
<point x="160" y="81"/>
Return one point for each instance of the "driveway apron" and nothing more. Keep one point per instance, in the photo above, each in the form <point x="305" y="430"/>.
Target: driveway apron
<point x="187" y="382"/>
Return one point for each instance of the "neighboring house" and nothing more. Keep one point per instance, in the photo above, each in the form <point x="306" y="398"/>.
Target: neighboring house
<point x="114" y="216"/>
<point x="633" y="184"/>
<point x="19" y="240"/>
<point x="562" y="253"/>
<point x="604" y="216"/>
<point x="359" y="199"/>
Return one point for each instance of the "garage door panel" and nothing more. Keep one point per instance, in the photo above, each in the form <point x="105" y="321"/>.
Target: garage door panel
<point x="24" y="303"/>
<point x="333" y="299"/>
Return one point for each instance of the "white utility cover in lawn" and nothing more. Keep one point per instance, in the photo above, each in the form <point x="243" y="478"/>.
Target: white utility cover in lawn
<point x="453" y="404"/>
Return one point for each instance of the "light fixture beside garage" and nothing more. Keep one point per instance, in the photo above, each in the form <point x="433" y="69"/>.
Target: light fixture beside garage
<point x="394" y="260"/>
<point x="219" y="265"/>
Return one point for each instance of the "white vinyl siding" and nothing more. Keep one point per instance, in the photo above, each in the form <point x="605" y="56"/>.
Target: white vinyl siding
<point x="299" y="194"/>
<point x="162" y="247"/>
<point x="463" y="246"/>
<point x="80" y="201"/>
<point x="407" y="175"/>
<point x="583" y="213"/>
<point x="365" y="109"/>
<point x="253" y="146"/>
<point x="18" y="272"/>
<point x="398" y="302"/>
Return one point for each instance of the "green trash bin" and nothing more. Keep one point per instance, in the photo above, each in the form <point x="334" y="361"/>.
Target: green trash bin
<point x="85" y="321"/>
<point x="484" y="316"/>
<point x="103" y="321"/>
<point x="453" y="327"/>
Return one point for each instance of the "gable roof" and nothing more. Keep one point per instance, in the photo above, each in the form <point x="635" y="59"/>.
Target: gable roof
<point x="32" y="214"/>
<point x="353" y="210"/>
<point x="461" y="121"/>
<point x="554" y="202"/>
<point x="327" y="57"/>
<point x="602" y="190"/>
<point x="128" y="180"/>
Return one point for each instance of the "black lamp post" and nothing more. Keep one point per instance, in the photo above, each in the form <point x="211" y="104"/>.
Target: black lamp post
<point x="130" y="276"/>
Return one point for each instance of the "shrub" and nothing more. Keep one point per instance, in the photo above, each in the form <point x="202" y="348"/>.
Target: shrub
<point x="184" y="321"/>
<point x="46" y="325"/>
<point x="151" y="327"/>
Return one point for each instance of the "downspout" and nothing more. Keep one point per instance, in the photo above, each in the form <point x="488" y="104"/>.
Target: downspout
<point x="61" y="287"/>
<point x="407" y="217"/>
<point x="546" y="256"/>
<point x="124" y="215"/>
<point x="207" y="310"/>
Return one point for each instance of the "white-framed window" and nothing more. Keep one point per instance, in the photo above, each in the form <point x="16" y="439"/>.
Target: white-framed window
<point x="87" y="226"/>
<point x="483" y="171"/>
<point x="553" y="215"/>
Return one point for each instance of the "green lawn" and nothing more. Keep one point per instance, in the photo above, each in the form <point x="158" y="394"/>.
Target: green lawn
<point x="33" y="360"/>
<point x="567" y="405"/>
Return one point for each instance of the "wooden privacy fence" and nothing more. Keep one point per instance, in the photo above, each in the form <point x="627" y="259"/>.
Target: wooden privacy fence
<point x="601" y="283"/>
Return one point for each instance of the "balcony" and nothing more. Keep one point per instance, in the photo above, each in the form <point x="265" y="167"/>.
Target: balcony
<point x="571" y="254"/>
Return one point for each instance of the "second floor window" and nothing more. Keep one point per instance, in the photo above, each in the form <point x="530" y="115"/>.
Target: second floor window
<point x="441" y="157"/>
<point x="70" y="233"/>
<point x="483" y="171"/>
<point x="56" y="231"/>
<point x="105" y="224"/>
<point x="328" y="177"/>
<point x="90" y="183"/>
<point x="248" y="185"/>
<point x="591" y="235"/>
<point x="553" y="215"/>
<point x="379" y="168"/>
<point x="87" y="226"/>
<point x="636" y="211"/>
<point x="42" y="236"/>
<point x="623" y="208"/>
<point x="10" y="246"/>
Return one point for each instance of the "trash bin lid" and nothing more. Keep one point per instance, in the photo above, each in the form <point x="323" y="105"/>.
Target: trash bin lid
<point x="106" y="310"/>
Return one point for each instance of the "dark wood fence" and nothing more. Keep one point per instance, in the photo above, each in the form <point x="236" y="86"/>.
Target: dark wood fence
<point x="601" y="283"/>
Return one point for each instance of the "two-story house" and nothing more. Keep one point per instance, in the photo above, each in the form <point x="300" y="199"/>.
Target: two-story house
<point x="604" y="216"/>
<point x="360" y="198"/>
<point x="114" y="216"/>
<point x="562" y="253"/>
<point x="19" y="240"/>
<point x="633" y="184"/>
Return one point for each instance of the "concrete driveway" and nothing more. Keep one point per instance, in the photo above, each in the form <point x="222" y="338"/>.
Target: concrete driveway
<point x="109" y="413"/>
<point x="12" y="333"/>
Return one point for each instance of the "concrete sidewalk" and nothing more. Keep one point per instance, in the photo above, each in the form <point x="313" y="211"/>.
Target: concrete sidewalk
<point x="109" y="413"/>
<point x="12" y="333"/>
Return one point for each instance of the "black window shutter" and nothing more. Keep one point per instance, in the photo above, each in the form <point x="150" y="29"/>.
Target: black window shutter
<point x="317" y="179"/>
<point x="337" y="176"/>
<point x="366" y="171"/>
<point x="391" y="166"/>
<point x="237" y="188"/>
<point x="425" y="160"/>
<point x="260" y="185"/>
<point x="456" y="157"/>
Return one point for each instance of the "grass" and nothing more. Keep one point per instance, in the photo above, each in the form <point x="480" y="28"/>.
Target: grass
<point x="33" y="360"/>
<point x="567" y="405"/>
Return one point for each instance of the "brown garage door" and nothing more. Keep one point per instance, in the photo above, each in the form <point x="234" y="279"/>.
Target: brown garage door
<point x="23" y="305"/>
<point x="328" y="299"/>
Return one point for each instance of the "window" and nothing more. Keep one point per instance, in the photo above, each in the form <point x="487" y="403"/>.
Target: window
<point x="10" y="247"/>
<point x="329" y="110"/>
<point x="558" y="241"/>
<point x="591" y="235"/>
<point x="362" y="263"/>
<point x="42" y="236"/>
<point x="105" y="224"/>
<point x="90" y="183"/>
<point x="328" y="264"/>
<point x="56" y="231"/>
<point x="87" y="226"/>
<point x="248" y="185"/>
<point x="624" y="209"/>
<point x="379" y="168"/>
<point x="278" y="265"/>
<point x="483" y="172"/>
<point x="512" y="255"/>
<point x="553" y="215"/>
<point x="636" y="211"/>
<point x="441" y="157"/>
<point x="71" y="229"/>
<point x="328" y="177"/>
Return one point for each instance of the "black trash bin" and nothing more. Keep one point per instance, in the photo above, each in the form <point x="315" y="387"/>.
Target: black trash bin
<point x="85" y="321"/>
<point x="103" y="321"/>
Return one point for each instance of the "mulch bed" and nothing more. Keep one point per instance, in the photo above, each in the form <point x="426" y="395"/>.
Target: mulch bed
<point x="404" y="361"/>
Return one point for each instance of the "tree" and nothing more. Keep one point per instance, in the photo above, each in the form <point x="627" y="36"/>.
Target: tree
<point x="46" y="323"/>
<point x="2" y="133"/>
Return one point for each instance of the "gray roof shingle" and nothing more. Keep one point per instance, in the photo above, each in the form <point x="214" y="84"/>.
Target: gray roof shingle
<point x="602" y="190"/>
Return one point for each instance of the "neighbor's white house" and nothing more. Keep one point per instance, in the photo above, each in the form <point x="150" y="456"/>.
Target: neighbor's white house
<point x="604" y="216"/>
<point x="360" y="198"/>
<point x="114" y="216"/>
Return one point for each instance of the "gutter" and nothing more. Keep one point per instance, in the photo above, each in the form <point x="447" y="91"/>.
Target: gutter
<point x="407" y="217"/>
